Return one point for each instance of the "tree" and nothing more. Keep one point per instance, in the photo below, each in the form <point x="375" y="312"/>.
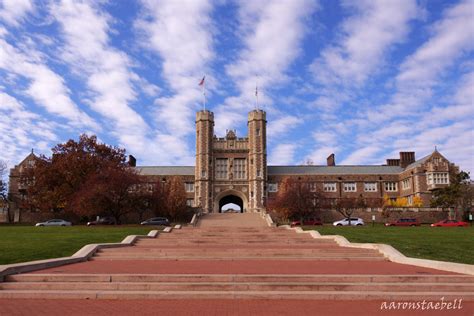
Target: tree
<point x="175" y="199"/>
<point x="296" y="199"/>
<point x="3" y="186"/>
<point x="110" y="192"/>
<point x="73" y="171"/>
<point x="458" y="194"/>
<point x="346" y="206"/>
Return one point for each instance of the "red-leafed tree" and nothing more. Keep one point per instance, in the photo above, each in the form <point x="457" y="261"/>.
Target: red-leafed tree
<point x="296" y="199"/>
<point x="78" y="169"/>
<point x="175" y="199"/>
<point x="113" y="191"/>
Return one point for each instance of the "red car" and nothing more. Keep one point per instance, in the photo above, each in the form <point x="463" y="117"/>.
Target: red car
<point x="404" y="222"/>
<point x="307" y="221"/>
<point x="449" y="223"/>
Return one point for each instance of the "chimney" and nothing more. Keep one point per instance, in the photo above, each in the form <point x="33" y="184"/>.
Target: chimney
<point x="331" y="160"/>
<point x="132" y="161"/>
<point x="406" y="158"/>
<point x="393" y="162"/>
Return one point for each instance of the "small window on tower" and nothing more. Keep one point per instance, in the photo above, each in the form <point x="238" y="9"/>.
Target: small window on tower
<point x="258" y="173"/>
<point x="258" y="131"/>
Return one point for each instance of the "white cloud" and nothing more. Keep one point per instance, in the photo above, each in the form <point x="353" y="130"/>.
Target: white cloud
<point x="12" y="12"/>
<point x="46" y="87"/>
<point x="319" y="155"/>
<point x="282" y="125"/>
<point x="362" y="155"/>
<point x="271" y="32"/>
<point x="282" y="154"/>
<point x="21" y="130"/>
<point x="87" y="50"/>
<point x="365" y="38"/>
<point x="180" y="32"/>
<point x="421" y="71"/>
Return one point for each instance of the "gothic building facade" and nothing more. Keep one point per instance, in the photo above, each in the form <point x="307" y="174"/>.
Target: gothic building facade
<point x="234" y="169"/>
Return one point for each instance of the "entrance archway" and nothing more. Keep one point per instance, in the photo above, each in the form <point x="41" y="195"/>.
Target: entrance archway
<point x="230" y="197"/>
<point x="231" y="200"/>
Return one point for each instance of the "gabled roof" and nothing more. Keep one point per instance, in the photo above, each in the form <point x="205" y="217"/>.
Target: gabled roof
<point x="419" y="162"/>
<point x="332" y="170"/>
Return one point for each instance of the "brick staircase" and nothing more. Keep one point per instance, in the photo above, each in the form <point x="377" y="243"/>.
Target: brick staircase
<point x="238" y="262"/>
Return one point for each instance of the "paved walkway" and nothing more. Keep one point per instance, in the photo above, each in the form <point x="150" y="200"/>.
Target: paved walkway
<point x="232" y="220"/>
<point x="253" y="270"/>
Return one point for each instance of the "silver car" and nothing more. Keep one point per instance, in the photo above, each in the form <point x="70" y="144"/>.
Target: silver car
<point x="55" y="222"/>
<point x="354" y="221"/>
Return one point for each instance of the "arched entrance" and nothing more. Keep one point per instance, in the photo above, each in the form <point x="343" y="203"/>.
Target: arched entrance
<point x="231" y="200"/>
<point x="230" y="197"/>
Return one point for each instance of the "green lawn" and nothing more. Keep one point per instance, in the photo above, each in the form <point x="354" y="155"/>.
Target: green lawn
<point x="455" y="244"/>
<point x="27" y="243"/>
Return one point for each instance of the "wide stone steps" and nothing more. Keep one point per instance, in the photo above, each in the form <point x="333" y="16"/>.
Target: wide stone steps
<point x="239" y="286"/>
<point x="180" y="295"/>
<point x="344" y="278"/>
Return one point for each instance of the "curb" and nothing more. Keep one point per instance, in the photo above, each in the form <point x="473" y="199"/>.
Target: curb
<point x="81" y="255"/>
<point x="391" y="253"/>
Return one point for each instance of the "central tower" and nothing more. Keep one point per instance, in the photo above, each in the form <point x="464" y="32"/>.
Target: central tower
<point x="231" y="169"/>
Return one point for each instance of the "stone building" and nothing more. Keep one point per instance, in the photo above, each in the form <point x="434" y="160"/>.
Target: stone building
<point x="233" y="169"/>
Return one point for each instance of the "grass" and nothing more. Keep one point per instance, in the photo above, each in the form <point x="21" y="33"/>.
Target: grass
<point x="455" y="244"/>
<point x="27" y="243"/>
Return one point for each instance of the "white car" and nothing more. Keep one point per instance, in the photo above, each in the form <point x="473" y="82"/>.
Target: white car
<point x="354" y="221"/>
<point x="55" y="222"/>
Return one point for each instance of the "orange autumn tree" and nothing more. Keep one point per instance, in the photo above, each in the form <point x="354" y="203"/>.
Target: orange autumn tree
<point x="175" y="199"/>
<point x="295" y="199"/>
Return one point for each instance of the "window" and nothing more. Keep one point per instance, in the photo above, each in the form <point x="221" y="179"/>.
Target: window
<point x="370" y="187"/>
<point x="203" y="173"/>
<point x="239" y="168"/>
<point x="273" y="187"/>
<point x="221" y="168"/>
<point x="391" y="186"/>
<point x="410" y="200"/>
<point x="437" y="178"/>
<point x="258" y="131"/>
<point x="189" y="186"/>
<point x="258" y="173"/>
<point x="312" y="186"/>
<point x="330" y="187"/>
<point x="406" y="184"/>
<point x="190" y="202"/>
<point x="350" y="187"/>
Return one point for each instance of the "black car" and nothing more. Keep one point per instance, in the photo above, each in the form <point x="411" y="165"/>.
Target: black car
<point x="156" y="221"/>
<point x="103" y="221"/>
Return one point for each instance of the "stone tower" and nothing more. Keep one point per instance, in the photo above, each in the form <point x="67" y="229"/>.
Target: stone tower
<point x="204" y="159"/>
<point x="257" y="134"/>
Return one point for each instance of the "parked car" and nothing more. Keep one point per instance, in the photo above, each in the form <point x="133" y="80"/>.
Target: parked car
<point x="354" y="221"/>
<point x="404" y="222"/>
<point x="307" y="221"/>
<point x="54" y="222"/>
<point x="450" y="223"/>
<point x="103" y="221"/>
<point x="156" y="221"/>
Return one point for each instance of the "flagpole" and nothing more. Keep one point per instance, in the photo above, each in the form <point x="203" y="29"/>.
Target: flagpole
<point x="204" y="95"/>
<point x="256" y="96"/>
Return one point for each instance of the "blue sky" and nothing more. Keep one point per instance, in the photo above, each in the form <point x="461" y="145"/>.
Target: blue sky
<point x="362" y="79"/>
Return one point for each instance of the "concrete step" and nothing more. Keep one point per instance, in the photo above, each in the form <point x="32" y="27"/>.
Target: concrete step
<point x="222" y="254"/>
<point x="301" y="295"/>
<point x="238" y="286"/>
<point x="237" y="258"/>
<point x="349" y="278"/>
<point x="208" y="250"/>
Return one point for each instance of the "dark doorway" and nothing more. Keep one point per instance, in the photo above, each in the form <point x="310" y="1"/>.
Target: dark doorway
<point x="231" y="199"/>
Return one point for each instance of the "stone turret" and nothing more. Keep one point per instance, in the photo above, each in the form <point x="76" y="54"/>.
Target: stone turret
<point x="257" y="133"/>
<point x="203" y="170"/>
